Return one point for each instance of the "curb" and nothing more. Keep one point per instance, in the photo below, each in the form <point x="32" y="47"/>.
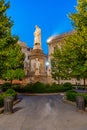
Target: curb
<point x="67" y="101"/>
<point x="14" y="103"/>
<point x="39" y="94"/>
<point x="70" y="102"/>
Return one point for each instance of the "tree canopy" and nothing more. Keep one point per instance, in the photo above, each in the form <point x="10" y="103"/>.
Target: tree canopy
<point x="74" y="50"/>
<point x="11" y="56"/>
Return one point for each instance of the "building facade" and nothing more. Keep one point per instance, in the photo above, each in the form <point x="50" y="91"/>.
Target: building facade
<point x="26" y="50"/>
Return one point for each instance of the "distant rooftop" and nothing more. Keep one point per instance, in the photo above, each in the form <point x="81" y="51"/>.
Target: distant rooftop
<point x="22" y="44"/>
<point x="57" y="37"/>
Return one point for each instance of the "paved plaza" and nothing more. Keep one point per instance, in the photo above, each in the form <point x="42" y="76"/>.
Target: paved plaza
<point x="44" y="113"/>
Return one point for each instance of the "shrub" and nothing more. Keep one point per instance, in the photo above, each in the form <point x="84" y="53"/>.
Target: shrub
<point x="1" y="100"/>
<point x="54" y="85"/>
<point x="29" y="85"/>
<point x="67" y="85"/>
<point x="40" y="88"/>
<point x="11" y="92"/>
<point x="71" y="95"/>
<point x="85" y="97"/>
<point x="37" y="88"/>
<point x="6" y="86"/>
<point x="17" y="88"/>
<point x="8" y="93"/>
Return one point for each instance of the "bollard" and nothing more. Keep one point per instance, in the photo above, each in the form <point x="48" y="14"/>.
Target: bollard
<point x="8" y="105"/>
<point x="80" y="103"/>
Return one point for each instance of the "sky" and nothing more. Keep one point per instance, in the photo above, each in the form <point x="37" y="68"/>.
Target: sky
<point x="50" y="15"/>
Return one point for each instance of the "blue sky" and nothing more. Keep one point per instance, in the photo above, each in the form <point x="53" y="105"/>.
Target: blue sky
<point x="50" y="15"/>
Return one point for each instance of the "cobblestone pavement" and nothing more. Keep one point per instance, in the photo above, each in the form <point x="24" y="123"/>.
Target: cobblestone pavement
<point x="44" y="113"/>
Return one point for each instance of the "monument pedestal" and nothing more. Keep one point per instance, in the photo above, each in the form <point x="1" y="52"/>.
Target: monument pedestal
<point x="37" y="66"/>
<point x="37" y="78"/>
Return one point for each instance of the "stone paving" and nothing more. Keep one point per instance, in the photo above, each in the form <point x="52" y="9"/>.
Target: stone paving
<point x="44" y="113"/>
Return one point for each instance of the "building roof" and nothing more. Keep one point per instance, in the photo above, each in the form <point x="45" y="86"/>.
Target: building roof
<point x="22" y="44"/>
<point x="58" y="37"/>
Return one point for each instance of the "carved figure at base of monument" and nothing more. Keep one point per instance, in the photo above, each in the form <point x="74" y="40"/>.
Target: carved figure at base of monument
<point x="37" y="70"/>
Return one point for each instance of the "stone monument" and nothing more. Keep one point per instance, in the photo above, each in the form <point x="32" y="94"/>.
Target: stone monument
<point x="37" y="38"/>
<point x="37" y="35"/>
<point x="37" y="67"/>
<point x="38" y="70"/>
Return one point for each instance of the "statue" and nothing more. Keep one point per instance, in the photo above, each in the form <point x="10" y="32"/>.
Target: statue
<point x="37" y="35"/>
<point x="37" y="72"/>
<point x="33" y="64"/>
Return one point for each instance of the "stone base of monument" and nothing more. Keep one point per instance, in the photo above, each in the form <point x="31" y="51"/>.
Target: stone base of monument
<point x="37" y="78"/>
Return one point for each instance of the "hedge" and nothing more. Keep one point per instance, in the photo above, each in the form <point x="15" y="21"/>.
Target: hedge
<point x="42" y="88"/>
<point x="71" y="95"/>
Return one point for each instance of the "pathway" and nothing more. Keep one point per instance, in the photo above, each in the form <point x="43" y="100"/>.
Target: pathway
<point x="44" y="113"/>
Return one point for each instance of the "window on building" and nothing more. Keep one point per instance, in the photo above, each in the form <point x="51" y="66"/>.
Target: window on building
<point x="28" y="49"/>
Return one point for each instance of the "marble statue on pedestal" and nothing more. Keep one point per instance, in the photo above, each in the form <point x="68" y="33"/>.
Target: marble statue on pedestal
<point x="37" y="35"/>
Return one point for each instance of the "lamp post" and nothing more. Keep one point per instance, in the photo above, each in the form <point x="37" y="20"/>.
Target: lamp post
<point x="48" y="68"/>
<point x="47" y="64"/>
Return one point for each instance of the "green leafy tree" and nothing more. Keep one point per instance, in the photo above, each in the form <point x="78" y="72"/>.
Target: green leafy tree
<point x="55" y="65"/>
<point x="11" y="56"/>
<point x="58" y="66"/>
<point x="75" y="47"/>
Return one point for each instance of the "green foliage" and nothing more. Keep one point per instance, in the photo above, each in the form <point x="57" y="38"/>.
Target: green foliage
<point x="75" y="48"/>
<point x="68" y="85"/>
<point x="8" y="93"/>
<point x="6" y="86"/>
<point x="37" y="88"/>
<point x="71" y="95"/>
<point x="11" y="57"/>
<point x="73" y="59"/>
<point x="56" y="65"/>
<point x="85" y="98"/>
<point x="17" y="88"/>
<point x="11" y="92"/>
<point x="79" y="19"/>
<point x="41" y="88"/>
<point x="1" y="100"/>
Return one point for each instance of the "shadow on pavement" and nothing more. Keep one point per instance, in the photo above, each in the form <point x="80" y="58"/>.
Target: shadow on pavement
<point x="17" y="109"/>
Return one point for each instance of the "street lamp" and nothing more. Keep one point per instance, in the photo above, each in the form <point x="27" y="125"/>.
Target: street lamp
<point x="48" y="71"/>
<point x="47" y="65"/>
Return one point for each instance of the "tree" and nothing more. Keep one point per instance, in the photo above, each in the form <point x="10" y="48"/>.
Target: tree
<point x="55" y="66"/>
<point x="74" y="49"/>
<point x="11" y="56"/>
<point x="58" y="66"/>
